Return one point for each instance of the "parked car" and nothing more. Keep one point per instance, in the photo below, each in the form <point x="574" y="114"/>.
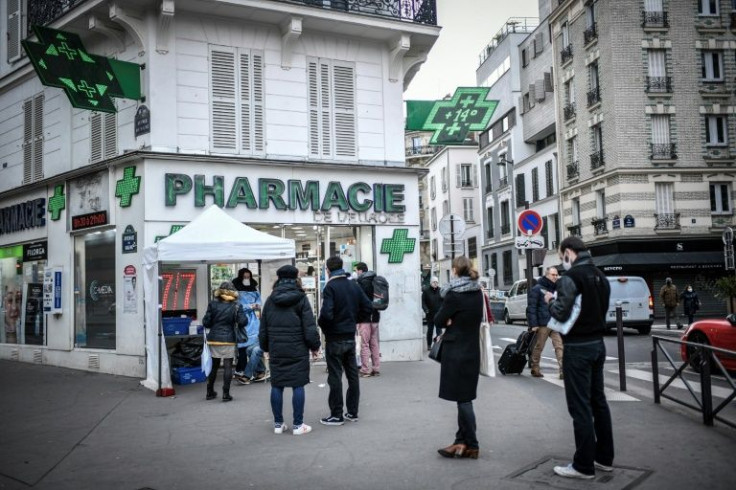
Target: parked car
<point x="637" y="303"/>
<point x="715" y="332"/>
<point x="515" y="306"/>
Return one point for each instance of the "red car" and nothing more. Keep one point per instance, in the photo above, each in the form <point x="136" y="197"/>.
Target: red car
<point x="718" y="333"/>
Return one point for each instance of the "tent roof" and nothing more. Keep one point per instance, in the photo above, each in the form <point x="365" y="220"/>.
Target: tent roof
<point x="214" y="236"/>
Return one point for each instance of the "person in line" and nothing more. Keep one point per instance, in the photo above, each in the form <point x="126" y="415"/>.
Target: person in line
<point x="537" y="314"/>
<point x="690" y="303"/>
<point x="223" y="316"/>
<point x="250" y="366"/>
<point x="584" y="356"/>
<point x="245" y="281"/>
<point x="288" y="332"/>
<point x="460" y="316"/>
<point x="343" y="302"/>
<point x="431" y="304"/>
<point x="370" y="354"/>
<point x="670" y="299"/>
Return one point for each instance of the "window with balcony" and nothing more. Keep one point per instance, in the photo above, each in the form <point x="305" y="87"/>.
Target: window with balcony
<point x="720" y="198"/>
<point x="596" y="158"/>
<point x="549" y="173"/>
<point x="505" y="217"/>
<point x="654" y="14"/>
<point x="575" y="203"/>
<point x="520" y="190"/>
<point x="708" y="7"/>
<point x="657" y="79"/>
<point x="712" y="66"/>
<point x="535" y="184"/>
<point x="33" y="139"/>
<point x="465" y="176"/>
<point x="468" y="214"/>
<point x="600" y="203"/>
<point x="665" y="217"/>
<point x="716" y="130"/>
<point x="662" y="148"/>
<point x="594" y="94"/>
<point x="573" y="169"/>
<point x="569" y="108"/>
<point x="503" y="172"/>
<point x="490" y="225"/>
<point x="591" y="33"/>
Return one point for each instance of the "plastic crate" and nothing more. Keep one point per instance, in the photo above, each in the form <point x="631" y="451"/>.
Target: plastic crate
<point x="176" y="326"/>
<point x="187" y="375"/>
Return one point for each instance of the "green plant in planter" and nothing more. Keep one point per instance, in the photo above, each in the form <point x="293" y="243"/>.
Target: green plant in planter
<point x="725" y="289"/>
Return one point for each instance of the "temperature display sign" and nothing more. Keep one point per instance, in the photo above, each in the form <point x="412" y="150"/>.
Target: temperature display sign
<point x="179" y="291"/>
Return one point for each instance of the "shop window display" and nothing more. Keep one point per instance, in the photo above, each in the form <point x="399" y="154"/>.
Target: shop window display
<point x="21" y="286"/>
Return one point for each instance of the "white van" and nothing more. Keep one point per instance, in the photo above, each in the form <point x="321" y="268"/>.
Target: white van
<point x="637" y="303"/>
<point x="515" y="307"/>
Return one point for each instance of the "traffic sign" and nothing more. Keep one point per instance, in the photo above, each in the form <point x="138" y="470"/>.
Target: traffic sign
<point x="452" y="224"/>
<point x="529" y="242"/>
<point x="529" y="222"/>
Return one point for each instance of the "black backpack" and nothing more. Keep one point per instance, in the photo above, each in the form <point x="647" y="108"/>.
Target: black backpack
<point x="380" y="293"/>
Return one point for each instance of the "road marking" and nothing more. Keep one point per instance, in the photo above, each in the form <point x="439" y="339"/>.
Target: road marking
<point x="611" y="395"/>
<point x="677" y="383"/>
<point x="507" y="339"/>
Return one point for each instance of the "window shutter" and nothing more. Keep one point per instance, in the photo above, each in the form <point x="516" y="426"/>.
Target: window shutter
<point x="474" y="176"/>
<point x="539" y="91"/>
<point x="110" y="134"/>
<point x="246" y="126"/>
<point x="95" y="137"/>
<point x="458" y="175"/>
<point x="520" y="190"/>
<point x="548" y="86"/>
<point x="314" y="137"/>
<point x="344" y="110"/>
<point x="15" y="29"/>
<point x="28" y="140"/>
<point x="325" y="108"/>
<point x="259" y="130"/>
<point x="222" y="87"/>
<point x="38" y="137"/>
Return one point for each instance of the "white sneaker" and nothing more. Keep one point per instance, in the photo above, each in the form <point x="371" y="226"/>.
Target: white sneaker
<point x="570" y="472"/>
<point x="301" y="430"/>
<point x="603" y="467"/>
<point x="280" y="428"/>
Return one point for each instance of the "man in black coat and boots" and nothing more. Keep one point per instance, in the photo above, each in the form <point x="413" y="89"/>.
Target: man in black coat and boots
<point x="343" y="302"/>
<point x="431" y="304"/>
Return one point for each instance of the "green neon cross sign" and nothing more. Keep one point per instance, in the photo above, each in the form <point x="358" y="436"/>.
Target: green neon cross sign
<point x="398" y="245"/>
<point x="57" y="202"/>
<point x="127" y="186"/>
<point x="468" y="110"/>
<point x="90" y="81"/>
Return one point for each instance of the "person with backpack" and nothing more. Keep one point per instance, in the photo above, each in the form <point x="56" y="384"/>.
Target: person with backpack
<point x="370" y="354"/>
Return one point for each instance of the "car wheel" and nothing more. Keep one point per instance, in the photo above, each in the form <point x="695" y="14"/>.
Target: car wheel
<point x="645" y="330"/>
<point x="693" y="353"/>
<point x="507" y="318"/>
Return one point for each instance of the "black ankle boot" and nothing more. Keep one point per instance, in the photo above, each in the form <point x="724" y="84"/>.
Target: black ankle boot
<point x="226" y="396"/>
<point x="211" y="394"/>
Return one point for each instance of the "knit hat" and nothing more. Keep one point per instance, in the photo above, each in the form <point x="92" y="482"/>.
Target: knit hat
<point x="287" y="272"/>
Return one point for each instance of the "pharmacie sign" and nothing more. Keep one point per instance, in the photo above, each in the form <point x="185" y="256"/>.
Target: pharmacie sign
<point x="330" y="202"/>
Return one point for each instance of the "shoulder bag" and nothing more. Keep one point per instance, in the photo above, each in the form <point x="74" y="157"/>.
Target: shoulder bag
<point x="487" y="364"/>
<point x="566" y="326"/>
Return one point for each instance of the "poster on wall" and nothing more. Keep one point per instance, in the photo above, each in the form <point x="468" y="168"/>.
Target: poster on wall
<point x="12" y="300"/>
<point x="33" y="314"/>
<point x="130" y="290"/>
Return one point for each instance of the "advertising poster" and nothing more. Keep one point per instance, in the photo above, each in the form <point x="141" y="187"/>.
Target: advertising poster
<point x="33" y="314"/>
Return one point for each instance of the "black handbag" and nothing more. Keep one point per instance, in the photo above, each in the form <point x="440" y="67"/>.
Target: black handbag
<point x="435" y="352"/>
<point x="241" y="334"/>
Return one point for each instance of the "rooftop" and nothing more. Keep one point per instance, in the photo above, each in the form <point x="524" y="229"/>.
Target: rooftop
<point x="514" y="25"/>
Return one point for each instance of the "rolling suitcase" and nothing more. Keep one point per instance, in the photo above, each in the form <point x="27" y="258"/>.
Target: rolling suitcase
<point x="512" y="361"/>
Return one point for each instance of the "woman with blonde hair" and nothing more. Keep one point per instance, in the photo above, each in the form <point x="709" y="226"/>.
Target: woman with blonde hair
<point x="460" y="315"/>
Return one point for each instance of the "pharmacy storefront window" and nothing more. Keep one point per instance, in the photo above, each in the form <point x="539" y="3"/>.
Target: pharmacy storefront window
<point x="21" y="283"/>
<point x="94" y="290"/>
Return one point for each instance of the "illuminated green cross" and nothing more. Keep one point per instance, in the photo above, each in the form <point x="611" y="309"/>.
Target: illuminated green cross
<point x="88" y="91"/>
<point x="127" y="186"/>
<point x="57" y="202"/>
<point x="64" y="49"/>
<point x="468" y="110"/>
<point x="398" y="245"/>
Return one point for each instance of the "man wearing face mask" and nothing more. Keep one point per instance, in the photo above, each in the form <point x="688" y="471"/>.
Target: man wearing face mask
<point x="583" y="358"/>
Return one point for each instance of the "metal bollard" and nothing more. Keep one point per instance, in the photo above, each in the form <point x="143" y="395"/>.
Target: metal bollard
<point x="621" y="351"/>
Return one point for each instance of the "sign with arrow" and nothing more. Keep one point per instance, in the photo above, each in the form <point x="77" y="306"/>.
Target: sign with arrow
<point x="90" y="81"/>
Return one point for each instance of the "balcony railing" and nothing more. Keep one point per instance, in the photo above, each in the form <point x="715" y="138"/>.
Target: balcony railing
<point x="503" y="182"/>
<point x="566" y="54"/>
<point x="569" y="111"/>
<point x="573" y="170"/>
<point x="591" y="33"/>
<point x="43" y="12"/>
<point x="654" y="19"/>
<point x="600" y="226"/>
<point x="667" y="221"/>
<point x="419" y="11"/>
<point x="420" y="150"/>
<point x="596" y="160"/>
<point x="659" y="85"/>
<point x="663" y="151"/>
<point x="574" y="230"/>
<point x="594" y="96"/>
<point x="505" y="228"/>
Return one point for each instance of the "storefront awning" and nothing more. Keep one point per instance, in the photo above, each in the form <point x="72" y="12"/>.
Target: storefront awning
<point x="661" y="260"/>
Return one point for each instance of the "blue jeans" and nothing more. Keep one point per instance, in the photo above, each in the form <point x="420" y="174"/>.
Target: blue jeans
<point x="250" y="360"/>
<point x="297" y="404"/>
<point x="466" y="425"/>
<point x="340" y="354"/>
<point x="587" y="405"/>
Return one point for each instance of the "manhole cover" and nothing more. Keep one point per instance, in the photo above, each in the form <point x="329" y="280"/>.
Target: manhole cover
<point x="542" y="473"/>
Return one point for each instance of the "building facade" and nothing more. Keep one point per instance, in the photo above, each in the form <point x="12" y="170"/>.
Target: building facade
<point x="645" y="130"/>
<point x="276" y="111"/>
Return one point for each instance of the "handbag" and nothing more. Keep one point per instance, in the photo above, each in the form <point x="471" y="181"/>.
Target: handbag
<point x="487" y="364"/>
<point x="566" y="326"/>
<point x="435" y="352"/>
<point x="206" y="357"/>
<point x="241" y="334"/>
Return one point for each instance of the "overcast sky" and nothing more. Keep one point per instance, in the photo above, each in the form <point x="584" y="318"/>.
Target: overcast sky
<point x="467" y="27"/>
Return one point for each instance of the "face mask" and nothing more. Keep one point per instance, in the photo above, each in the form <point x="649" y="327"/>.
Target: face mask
<point x="566" y="263"/>
<point x="354" y="275"/>
<point x="689" y="290"/>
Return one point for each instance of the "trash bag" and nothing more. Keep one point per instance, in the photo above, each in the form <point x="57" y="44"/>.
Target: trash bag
<point x="187" y="352"/>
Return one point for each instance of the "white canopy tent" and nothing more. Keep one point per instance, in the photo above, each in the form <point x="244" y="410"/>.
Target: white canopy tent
<point x="213" y="237"/>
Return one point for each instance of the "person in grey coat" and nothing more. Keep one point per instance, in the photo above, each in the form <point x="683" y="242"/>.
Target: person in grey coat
<point x="460" y="315"/>
<point x="288" y="332"/>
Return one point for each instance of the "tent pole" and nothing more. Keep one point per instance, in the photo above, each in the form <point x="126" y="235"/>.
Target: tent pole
<point x="160" y="334"/>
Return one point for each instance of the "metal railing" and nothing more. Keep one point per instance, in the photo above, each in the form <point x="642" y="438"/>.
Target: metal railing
<point x="594" y="96"/>
<point x="667" y="221"/>
<point x="566" y="54"/>
<point x="43" y="12"/>
<point x="663" y="151"/>
<point x="422" y="150"/>
<point x="703" y="356"/>
<point x="503" y="182"/>
<point x="419" y="11"/>
<point x="505" y="228"/>
<point x="596" y="160"/>
<point x="573" y="170"/>
<point x="659" y="85"/>
<point x="600" y="226"/>
<point x="575" y="230"/>
<point x="654" y="19"/>
<point x="569" y="111"/>
<point x="591" y="33"/>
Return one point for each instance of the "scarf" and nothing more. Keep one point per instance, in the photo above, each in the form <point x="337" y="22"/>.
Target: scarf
<point x="460" y="285"/>
<point x="337" y="273"/>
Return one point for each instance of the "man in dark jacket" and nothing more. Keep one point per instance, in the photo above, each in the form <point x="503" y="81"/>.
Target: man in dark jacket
<point x="537" y="315"/>
<point x="343" y="302"/>
<point x="370" y="354"/>
<point x="431" y="304"/>
<point x="584" y="357"/>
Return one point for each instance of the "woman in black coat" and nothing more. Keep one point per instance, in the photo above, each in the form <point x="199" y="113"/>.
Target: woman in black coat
<point x="461" y="314"/>
<point x="288" y="332"/>
<point x="690" y="303"/>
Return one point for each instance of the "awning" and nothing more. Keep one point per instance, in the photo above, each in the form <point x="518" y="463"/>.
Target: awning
<point x="661" y="260"/>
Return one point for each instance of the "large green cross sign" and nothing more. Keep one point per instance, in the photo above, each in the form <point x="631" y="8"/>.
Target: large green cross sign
<point x="90" y="81"/>
<point x="398" y="245"/>
<point x="467" y="110"/>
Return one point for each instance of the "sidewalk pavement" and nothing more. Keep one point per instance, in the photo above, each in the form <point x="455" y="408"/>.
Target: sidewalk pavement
<point x="66" y="429"/>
